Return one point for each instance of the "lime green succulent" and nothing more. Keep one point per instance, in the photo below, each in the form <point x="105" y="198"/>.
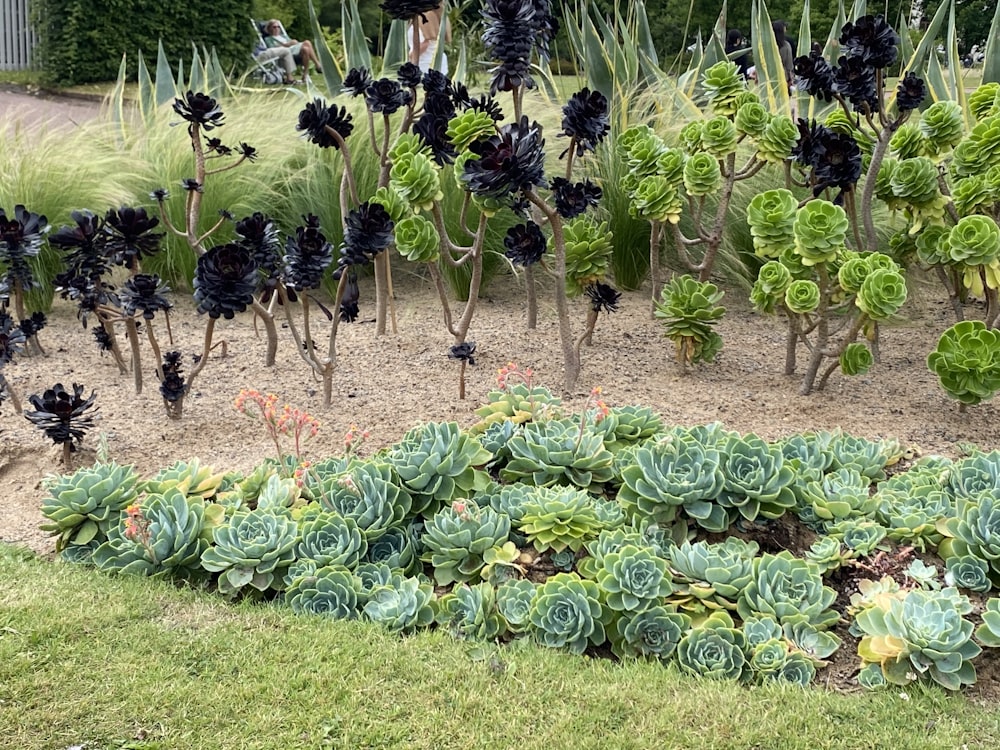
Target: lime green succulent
<point x="752" y="119"/>
<point x="985" y="100"/>
<point x="974" y="241"/>
<point x="670" y="165"/>
<point x="973" y="194"/>
<point x="415" y="178"/>
<point x="407" y="144"/>
<point x="657" y="198"/>
<point x="456" y="538"/>
<point x="942" y="125"/>
<point x="389" y="199"/>
<point x="828" y="553"/>
<point x="860" y="535"/>
<point x="702" y="174"/>
<point x="882" y="293"/>
<point x="560" y="519"/>
<point x="919" y="636"/>
<point x="711" y="576"/>
<point x="974" y="474"/>
<point x="689" y="309"/>
<point x="558" y="451"/>
<point x="651" y="633"/>
<point x="469" y="126"/>
<point x="773" y="279"/>
<point x="470" y="613"/>
<point x="690" y="136"/>
<point x="802" y="296"/>
<point x="566" y="612"/>
<point x="402" y="606"/>
<point x="719" y="136"/>
<point x="723" y="85"/>
<point x="932" y="245"/>
<point x="633" y="579"/>
<point x="84" y="506"/>
<point x="589" y="245"/>
<point x="500" y="563"/>
<point x="967" y="361"/>
<point x="780" y="135"/>
<point x="417" y="239"/>
<point x="771" y="216"/>
<point x="514" y="600"/>
<point x="330" y="591"/>
<point x="715" y="649"/>
<point x="856" y="359"/>
<point x="788" y="589"/>
<point x="820" y="229"/>
<point x="852" y="272"/>
<point x="253" y="548"/>
<point x="517" y="403"/>
<point x="190" y="477"/>
<point x="908" y="141"/>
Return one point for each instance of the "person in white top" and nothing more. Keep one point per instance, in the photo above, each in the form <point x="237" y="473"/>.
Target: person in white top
<point x="428" y="35"/>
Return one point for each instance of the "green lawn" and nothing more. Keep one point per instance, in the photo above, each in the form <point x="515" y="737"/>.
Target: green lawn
<point x="86" y="659"/>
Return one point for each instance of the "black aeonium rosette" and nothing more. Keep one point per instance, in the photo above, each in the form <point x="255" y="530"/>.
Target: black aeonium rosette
<point x="356" y="81"/>
<point x="129" y="236"/>
<point x="602" y="297"/>
<point x="247" y="151"/>
<point x="855" y="81"/>
<point x="463" y="352"/>
<point x="871" y="40"/>
<point x="810" y="133"/>
<point x="368" y="230"/>
<point x="404" y="10"/>
<point x="432" y="129"/>
<point x="574" y="198"/>
<point x="21" y="238"/>
<point x="814" y="75"/>
<point x="144" y="293"/>
<point x="82" y="242"/>
<point x="34" y="323"/>
<point x="349" y="308"/>
<point x="486" y="103"/>
<point x="509" y="39"/>
<point x="585" y="120"/>
<point x="104" y="341"/>
<point x="408" y="75"/>
<point x="524" y="244"/>
<point x="837" y="161"/>
<point x="436" y="82"/>
<point x="508" y="162"/>
<point x="316" y="117"/>
<point x="61" y="415"/>
<point x="307" y="255"/>
<point x="259" y="235"/>
<point x="216" y="146"/>
<point x="172" y="387"/>
<point x="199" y="109"/>
<point x="910" y="92"/>
<point x="225" y="280"/>
<point x="386" y="96"/>
<point x="12" y="338"/>
<point x="191" y="185"/>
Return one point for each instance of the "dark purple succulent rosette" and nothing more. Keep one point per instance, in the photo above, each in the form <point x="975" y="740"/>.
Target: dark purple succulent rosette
<point x="509" y="162"/>
<point x="585" y="120"/>
<point x="199" y="109"/>
<point x="144" y="293"/>
<point x="910" y="93"/>
<point x="307" y="255"/>
<point x="574" y="198"/>
<point x="404" y="10"/>
<point x="356" y="81"/>
<point x="814" y="75"/>
<point x="602" y="297"/>
<point x="64" y="417"/>
<point x="129" y="236"/>
<point x="386" y="96"/>
<point x="172" y="387"/>
<point x="225" y="279"/>
<point x="524" y="244"/>
<point x="316" y="117"/>
<point x="463" y="352"/>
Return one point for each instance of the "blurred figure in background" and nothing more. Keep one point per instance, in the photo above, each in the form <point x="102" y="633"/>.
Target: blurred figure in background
<point x="735" y="41"/>
<point x="428" y="29"/>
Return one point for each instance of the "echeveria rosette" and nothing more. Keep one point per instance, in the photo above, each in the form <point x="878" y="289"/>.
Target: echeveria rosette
<point x="756" y="481"/>
<point x="328" y="538"/>
<point x="711" y="576"/>
<point x="509" y="162"/>
<point x="633" y="578"/>
<point x="589" y="246"/>
<point x="820" y="229"/>
<point x="417" y="239"/>
<point x="585" y="120"/>
<point x="975" y="530"/>
<point x="771" y="217"/>
<point x="715" y="649"/>
<point x="402" y="605"/>
<point x="989" y="632"/>
<point x="719" y="137"/>
<point x="652" y="633"/>
<point x="802" y="296"/>
<point x="456" y="537"/>
<point x="559" y="519"/>
<point x="751" y="119"/>
<point x="331" y="591"/>
<point x="723" y="85"/>
<point x="316" y="117"/>
<point x="702" y="174"/>
<point x="919" y="636"/>
<point x="398" y="548"/>
<point x="968" y="572"/>
<point x="689" y="309"/>
<point x="788" y="589"/>
<point x="882" y="293"/>
<point x="416" y="179"/>
<point x="840" y="494"/>
<point x="657" y="198"/>
<point x="856" y="359"/>
<point x="566" y="612"/>
<point x="251" y="549"/>
<point x="513" y="598"/>
<point x="470" y="613"/>
<point x="775" y="143"/>
<point x="967" y="362"/>
<point x="367" y="492"/>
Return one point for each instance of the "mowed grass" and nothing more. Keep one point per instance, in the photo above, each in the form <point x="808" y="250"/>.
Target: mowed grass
<point x="102" y="662"/>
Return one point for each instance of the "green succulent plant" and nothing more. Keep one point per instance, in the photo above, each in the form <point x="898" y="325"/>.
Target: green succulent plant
<point x="455" y="539"/>
<point x="828" y="553"/>
<point x="640" y="147"/>
<point x="690" y="136"/>
<point x="711" y="576"/>
<point x="651" y="633"/>
<point x="560" y="519"/>
<point x="921" y="635"/>
<point x="979" y="472"/>
<point x="802" y="296"/>
<point x="702" y="174"/>
<point x="773" y="279"/>
<point x="670" y="165"/>
<point x="915" y="180"/>
<point x="910" y="504"/>
<point x="163" y="536"/>
<point x="751" y="119"/>
<point x="390" y="200"/>
<point x="972" y="195"/>
<point x="808" y="455"/>
<point x="415" y="179"/>
<point x="330" y="591"/>
<point x="908" y="141"/>
<point x="882" y="293"/>
<point x="633" y="578"/>
<point x="589" y="246"/>
<point x="437" y="463"/>
<point x="719" y="136"/>
<point x="775" y="144"/>
<point x="402" y="606"/>
<point x="632" y="425"/>
<point x="689" y="309"/>
<point x="842" y="493"/>
<point x="867" y="457"/>
<point x="989" y="632"/>
<point x="558" y="452"/>
<point x="330" y="539"/>
<point x="771" y="216"/>
<point x="500" y="564"/>
<point x="417" y="239"/>
<point x="514" y="600"/>
<point x="608" y="541"/>
<point x="566" y="612"/>
<point x="820" y="229"/>
<point x="517" y="403"/>
<point x="974" y="241"/>
<point x="397" y="548"/>
<point x="470" y="613"/>
<point x="723" y="85"/>
<point x="856" y="359"/>
<point x="975" y="530"/>
<point x="760" y="630"/>
<point x="469" y="126"/>
<point x="673" y="473"/>
<point x="756" y="481"/>
<point x="968" y="572"/>
<point x="367" y="492"/>
<point x="942" y="125"/>
<point x="815" y="643"/>
<point x="788" y="589"/>
<point x="860" y="535"/>
<point x="657" y="198"/>
<point x="252" y="548"/>
<point x="967" y="362"/>
<point x="715" y="649"/>
<point x="84" y="506"/>
<point x="190" y="477"/>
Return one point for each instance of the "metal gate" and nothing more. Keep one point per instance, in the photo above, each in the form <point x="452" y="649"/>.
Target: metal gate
<point x="17" y="38"/>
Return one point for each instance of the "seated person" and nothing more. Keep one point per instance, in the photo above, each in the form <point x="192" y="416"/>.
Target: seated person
<point x="284" y="56"/>
<point x="302" y="52"/>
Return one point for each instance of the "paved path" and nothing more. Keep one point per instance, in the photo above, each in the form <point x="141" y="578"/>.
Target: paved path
<point x="17" y="105"/>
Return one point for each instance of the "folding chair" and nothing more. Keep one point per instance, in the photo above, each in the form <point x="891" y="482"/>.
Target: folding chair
<point x="267" y="69"/>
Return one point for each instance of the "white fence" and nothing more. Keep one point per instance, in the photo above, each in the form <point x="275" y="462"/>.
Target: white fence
<point x="17" y="38"/>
